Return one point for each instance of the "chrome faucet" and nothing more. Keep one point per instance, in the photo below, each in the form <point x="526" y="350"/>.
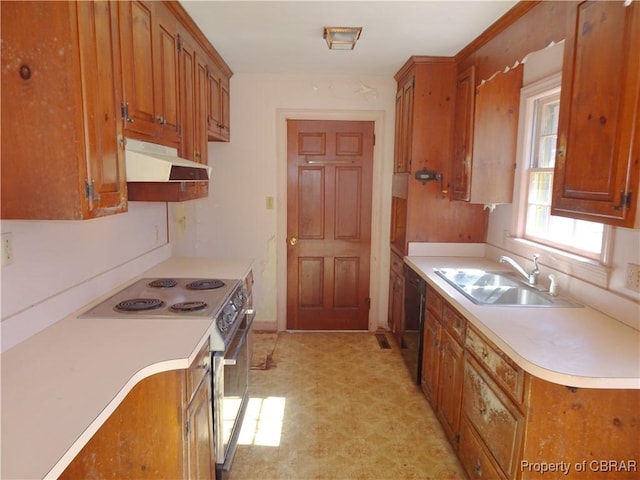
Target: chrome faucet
<point x="532" y="277"/>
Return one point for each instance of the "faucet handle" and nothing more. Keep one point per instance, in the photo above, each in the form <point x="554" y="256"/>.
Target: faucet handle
<point x="536" y="268"/>
<point x="553" y="285"/>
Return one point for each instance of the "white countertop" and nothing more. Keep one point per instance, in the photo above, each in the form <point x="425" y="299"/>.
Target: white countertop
<point x="59" y="386"/>
<point x="578" y="347"/>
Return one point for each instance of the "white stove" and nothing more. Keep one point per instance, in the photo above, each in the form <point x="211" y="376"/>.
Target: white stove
<point x="179" y="298"/>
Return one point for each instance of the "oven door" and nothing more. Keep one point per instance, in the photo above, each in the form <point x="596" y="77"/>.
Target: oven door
<point x="230" y="394"/>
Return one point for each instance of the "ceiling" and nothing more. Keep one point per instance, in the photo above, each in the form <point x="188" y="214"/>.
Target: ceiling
<point x="286" y="36"/>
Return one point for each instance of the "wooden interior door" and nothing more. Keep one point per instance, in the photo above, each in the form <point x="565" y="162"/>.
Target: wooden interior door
<point x="330" y="173"/>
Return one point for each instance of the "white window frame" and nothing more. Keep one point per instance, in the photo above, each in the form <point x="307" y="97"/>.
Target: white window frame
<point x="594" y="270"/>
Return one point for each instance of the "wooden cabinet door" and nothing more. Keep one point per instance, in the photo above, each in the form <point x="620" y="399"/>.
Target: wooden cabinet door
<point x="495" y="137"/>
<point x="225" y="105"/>
<point x="598" y="151"/>
<point x="497" y="421"/>
<point x="166" y="72"/>
<point x="219" y="104"/>
<point x="404" y="126"/>
<point x="450" y="386"/>
<point x="100" y="57"/>
<point x="431" y="358"/>
<point x="463" y="135"/>
<point x="150" y="72"/>
<point x="214" y="120"/>
<point x="139" y="88"/>
<point x="201" y="154"/>
<point x="61" y="153"/>
<point x="199" y="455"/>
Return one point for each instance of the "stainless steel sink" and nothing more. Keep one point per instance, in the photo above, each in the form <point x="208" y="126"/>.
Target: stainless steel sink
<point x="499" y="289"/>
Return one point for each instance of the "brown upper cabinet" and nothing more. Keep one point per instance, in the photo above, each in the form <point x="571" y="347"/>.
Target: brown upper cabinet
<point x="463" y="134"/>
<point x="598" y="151"/>
<point x="484" y="174"/>
<point x="62" y="152"/>
<point x="404" y="126"/>
<point x="150" y="103"/>
<point x="422" y="212"/>
<point x="218" y="118"/>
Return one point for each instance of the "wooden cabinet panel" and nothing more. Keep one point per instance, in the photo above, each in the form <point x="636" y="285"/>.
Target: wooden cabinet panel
<point x="199" y="422"/>
<point x="61" y="152"/>
<point x="396" y="294"/>
<point x="598" y="153"/>
<point x="142" y="438"/>
<point x="138" y="78"/>
<point x="431" y="358"/>
<point x="435" y="302"/>
<point x="477" y="463"/>
<point x="496" y="420"/>
<point x="404" y="126"/>
<point x="450" y="385"/>
<point x="168" y="111"/>
<point x="463" y="134"/>
<point x="454" y="323"/>
<point x="503" y="370"/>
<point x="583" y="426"/>
<point x="218" y="106"/>
<point x="148" y="35"/>
<point x="495" y="136"/>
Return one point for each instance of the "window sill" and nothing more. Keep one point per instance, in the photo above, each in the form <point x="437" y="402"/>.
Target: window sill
<point x="585" y="269"/>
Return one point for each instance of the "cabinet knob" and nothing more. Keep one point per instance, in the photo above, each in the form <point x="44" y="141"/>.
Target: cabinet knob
<point x="161" y="120"/>
<point x="25" y="72"/>
<point x="293" y="241"/>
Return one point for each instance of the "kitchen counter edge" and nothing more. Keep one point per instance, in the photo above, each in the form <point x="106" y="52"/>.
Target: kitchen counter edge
<point x="479" y="316"/>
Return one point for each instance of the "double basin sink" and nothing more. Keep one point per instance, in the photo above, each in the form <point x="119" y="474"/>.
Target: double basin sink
<point x="499" y="289"/>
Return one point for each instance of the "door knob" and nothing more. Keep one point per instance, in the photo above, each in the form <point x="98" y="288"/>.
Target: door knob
<point x="293" y="241"/>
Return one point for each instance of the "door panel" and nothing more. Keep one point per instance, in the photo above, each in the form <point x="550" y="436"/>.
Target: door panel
<point x="330" y="165"/>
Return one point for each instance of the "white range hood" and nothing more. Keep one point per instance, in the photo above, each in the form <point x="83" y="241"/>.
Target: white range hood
<point x="148" y="162"/>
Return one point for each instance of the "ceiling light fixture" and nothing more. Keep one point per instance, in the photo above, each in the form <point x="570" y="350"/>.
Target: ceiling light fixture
<point x="342" y="38"/>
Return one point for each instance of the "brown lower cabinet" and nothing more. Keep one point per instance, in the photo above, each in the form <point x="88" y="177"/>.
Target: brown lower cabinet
<point x="162" y="429"/>
<point x="505" y="423"/>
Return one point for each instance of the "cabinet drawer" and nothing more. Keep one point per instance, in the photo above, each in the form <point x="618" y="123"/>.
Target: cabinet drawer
<point x="508" y="375"/>
<point x="454" y="323"/>
<point x="498" y="422"/>
<point x="434" y="302"/>
<point x="473" y="457"/>
<point x="397" y="264"/>
<point x="197" y="370"/>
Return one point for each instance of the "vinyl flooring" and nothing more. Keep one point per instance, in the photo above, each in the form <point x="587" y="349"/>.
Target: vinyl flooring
<point x="337" y="406"/>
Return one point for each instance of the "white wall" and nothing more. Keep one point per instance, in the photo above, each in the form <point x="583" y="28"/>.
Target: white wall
<point x="60" y="266"/>
<point x="234" y="220"/>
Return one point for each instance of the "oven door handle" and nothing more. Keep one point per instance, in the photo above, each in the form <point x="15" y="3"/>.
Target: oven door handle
<point x="233" y="359"/>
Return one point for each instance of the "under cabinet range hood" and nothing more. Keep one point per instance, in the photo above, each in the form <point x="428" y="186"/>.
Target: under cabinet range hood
<point x="148" y="162"/>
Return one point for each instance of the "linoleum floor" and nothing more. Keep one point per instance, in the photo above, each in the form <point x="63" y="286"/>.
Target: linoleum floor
<point x="337" y="406"/>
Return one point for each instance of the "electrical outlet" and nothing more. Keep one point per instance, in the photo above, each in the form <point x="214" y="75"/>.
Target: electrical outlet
<point x="633" y="277"/>
<point x="7" y="249"/>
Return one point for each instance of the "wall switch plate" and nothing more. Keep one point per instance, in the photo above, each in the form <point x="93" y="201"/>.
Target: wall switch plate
<point x="7" y="249"/>
<point x="633" y="277"/>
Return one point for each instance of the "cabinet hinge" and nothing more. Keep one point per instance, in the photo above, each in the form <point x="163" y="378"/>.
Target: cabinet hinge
<point x="368" y="302"/>
<point x="124" y="110"/>
<point x="90" y="190"/>
<point x="178" y="43"/>
<point x="374" y="139"/>
<point x="625" y="201"/>
<point x="186" y="427"/>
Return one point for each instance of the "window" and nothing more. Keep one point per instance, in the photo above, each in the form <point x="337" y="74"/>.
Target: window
<point x="541" y="105"/>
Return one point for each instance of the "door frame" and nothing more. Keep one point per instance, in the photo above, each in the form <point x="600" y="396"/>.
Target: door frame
<point x="378" y="276"/>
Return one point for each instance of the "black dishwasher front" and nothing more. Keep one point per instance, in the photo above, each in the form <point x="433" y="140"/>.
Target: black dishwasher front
<point x="413" y="322"/>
